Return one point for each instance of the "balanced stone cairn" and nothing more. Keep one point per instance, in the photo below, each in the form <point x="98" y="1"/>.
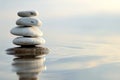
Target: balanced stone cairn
<point x="29" y="36"/>
<point x="28" y="30"/>
<point x="30" y="57"/>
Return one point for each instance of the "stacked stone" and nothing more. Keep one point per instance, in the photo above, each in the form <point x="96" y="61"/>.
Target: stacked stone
<point x="28" y="29"/>
<point x="28" y="52"/>
<point x="30" y="57"/>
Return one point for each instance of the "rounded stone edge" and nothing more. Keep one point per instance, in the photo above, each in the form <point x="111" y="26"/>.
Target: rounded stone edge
<point x="36" y="33"/>
<point x="28" y="41"/>
<point x="28" y="52"/>
<point x="29" y="13"/>
<point x="21" y="21"/>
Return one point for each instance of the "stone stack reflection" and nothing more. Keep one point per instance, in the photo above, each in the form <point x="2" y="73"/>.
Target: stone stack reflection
<point x="29" y="61"/>
<point x="28" y="68"/>
<point x="29" y="57"/>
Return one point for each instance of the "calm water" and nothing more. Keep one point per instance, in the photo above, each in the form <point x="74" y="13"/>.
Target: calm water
<point x="83" y="61"/>
<point x="72" y="56"/>
<point x="82" y="47"/>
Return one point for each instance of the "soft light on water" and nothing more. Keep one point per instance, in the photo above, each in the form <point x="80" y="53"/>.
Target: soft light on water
<point x="83" y="37"/>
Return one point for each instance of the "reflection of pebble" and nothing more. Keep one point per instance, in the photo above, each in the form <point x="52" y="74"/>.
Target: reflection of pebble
<point x="30" y="61"/>
<point x="28" y="64"/>
<point x="28" y="52"/>
<point x="28" y="68"/>
<point x="33" y="78"/>
<point x="27" y="28"/>
<point x="28" y="13"/>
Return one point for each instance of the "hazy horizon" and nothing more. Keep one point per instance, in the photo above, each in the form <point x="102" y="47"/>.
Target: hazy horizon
<point x="83" y="35"/>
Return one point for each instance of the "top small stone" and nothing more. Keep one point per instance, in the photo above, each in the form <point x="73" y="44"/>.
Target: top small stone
<point x="27" y="13"/>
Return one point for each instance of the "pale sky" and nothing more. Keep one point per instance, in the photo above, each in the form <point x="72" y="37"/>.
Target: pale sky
<point x="62" y="8"/>
<point x="89" y="17"/>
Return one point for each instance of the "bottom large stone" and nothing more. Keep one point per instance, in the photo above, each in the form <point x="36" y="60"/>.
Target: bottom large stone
<point x="28" y="52"/>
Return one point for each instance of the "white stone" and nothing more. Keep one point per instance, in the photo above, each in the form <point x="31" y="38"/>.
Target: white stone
<point x="27" y="13"/>
<point x="28" y="41"/>
<point x="27" y="21"/>
<point x="27" y="31"/>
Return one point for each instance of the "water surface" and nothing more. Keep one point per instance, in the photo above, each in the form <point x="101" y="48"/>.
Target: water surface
<point x="83" y="37"/>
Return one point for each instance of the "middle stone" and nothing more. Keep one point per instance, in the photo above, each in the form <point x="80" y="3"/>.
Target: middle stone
<point x="27" y="21"/>
<point x="27" y="31"/>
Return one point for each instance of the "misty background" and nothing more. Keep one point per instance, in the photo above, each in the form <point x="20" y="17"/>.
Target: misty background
<point x="85" y="33"/>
